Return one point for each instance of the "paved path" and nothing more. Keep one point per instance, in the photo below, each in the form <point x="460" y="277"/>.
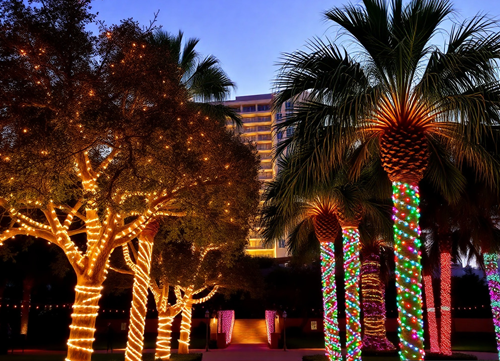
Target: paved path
<point x="256" y="353"/>
<point x="250" y="353"/>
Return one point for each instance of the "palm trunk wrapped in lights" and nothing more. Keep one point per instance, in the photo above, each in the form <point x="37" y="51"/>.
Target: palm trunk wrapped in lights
<point x="431" y="314"/>
<point x="493" y="278"/>
<point x="374" y="314"/>
<point x="407" y="245"/>
<point x="327" y="229"/>
<point x="138" y="311"/>
<point x="352" y="307"/>
<point x="445" y="256"/>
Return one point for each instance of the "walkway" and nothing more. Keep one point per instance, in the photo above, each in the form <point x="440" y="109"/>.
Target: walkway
<point x="248" y="331"/>
<point x="257" y="353"/>
<point x="245" y="353"/>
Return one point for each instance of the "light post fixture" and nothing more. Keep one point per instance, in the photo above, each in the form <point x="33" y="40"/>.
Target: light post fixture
<point x="284" y="330"/>
<point x="207" y="319"/>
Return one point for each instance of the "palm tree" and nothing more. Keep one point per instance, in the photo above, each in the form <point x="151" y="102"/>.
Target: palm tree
<point x="421" y="108"/>
<point x="374" y="255"/>
<point x="205" y="80"/>
<point x="297" y="204"/>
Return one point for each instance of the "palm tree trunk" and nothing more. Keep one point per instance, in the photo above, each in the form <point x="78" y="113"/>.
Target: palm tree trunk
<point x="352" y="306"/>
<point x="25" y="305"/>
<point x="445" y="257"/>
<point x="85" y="310"/>
<point x="372" y="290"/>
<point x="164" y="339"/>
<point x="330" y="320"/>
<point x="135" y="341"/>
<point x="406" y="214"/>
<point x="493" y="278"/>
<point x="431" y="314"/>
<point x="184" y="340"/>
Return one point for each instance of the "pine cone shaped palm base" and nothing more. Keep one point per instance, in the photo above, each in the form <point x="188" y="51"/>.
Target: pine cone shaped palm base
<point x="405" y="154"/>
<point x="326" y="226"/>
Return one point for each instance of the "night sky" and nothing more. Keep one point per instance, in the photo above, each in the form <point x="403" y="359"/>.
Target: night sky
<point x="248" y="36"/>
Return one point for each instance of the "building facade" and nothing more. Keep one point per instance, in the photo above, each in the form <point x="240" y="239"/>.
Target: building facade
<point x="258" y="120"/>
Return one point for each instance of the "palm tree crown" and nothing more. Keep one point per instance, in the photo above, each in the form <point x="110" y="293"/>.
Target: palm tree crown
<point x="204" y="79"/>
<point x="399" y="96"/>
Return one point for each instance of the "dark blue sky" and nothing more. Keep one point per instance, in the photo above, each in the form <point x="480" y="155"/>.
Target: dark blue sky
<point x="248" y="36"/>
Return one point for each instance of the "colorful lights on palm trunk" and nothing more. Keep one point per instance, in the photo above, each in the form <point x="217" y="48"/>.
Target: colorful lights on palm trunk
<point x="431" y="314"/>
<point x="491" y="265"/>
<point x="352" y="307"/>
<point x="446" y="303"/>
<point x="331" y="325"/>
<point x="407" y="244"/>
<point x="372" y="289"/>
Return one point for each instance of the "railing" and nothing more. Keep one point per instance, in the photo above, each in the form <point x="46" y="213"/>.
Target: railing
<point x="270" y="315"/>
<point x="226" y="324"/>
<point x="256" y="119"/>
<point x="266" y="146"/>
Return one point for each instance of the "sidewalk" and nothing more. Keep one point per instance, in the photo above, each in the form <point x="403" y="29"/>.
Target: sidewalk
<point x="256" y="353"/>
<point x="249" y="353"/>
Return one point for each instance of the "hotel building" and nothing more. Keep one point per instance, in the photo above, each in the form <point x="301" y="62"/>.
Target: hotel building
<point x="258" y="120"/>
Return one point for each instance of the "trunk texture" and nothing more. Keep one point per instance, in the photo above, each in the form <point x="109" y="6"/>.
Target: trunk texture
<point x="187" y="310"/>
<point x="372" y="289"/>
<point x="431" y="314"/>
<point x="135" y="341"/>
<point x="352" y="307"/>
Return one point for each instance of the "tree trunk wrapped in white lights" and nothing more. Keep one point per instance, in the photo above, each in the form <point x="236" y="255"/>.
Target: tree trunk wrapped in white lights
<point x="166" y="314"/>
<point x="138" y="311"/>
<point x="187" y="311"/>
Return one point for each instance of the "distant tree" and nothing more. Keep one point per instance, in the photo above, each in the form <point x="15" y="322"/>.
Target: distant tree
<point x="207" y="83"/>
<point x="98" y="136"/>
<point x="298" y="202"/>
<point x="195" y="273"/>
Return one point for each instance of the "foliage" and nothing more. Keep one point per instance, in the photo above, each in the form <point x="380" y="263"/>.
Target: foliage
<point x="351" y="101"/>
<point x="207" y="83"/>
<point x="99" y="121"/>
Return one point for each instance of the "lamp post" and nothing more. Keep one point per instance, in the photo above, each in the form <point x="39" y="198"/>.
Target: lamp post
<point x="207" y="319"/>
<point x="284" y="330"/>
